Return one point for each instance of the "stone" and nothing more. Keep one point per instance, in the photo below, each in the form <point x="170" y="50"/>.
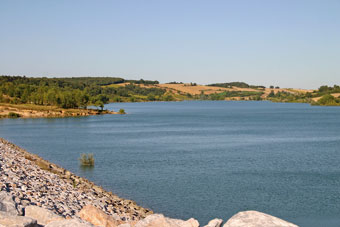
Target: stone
<point x="214" y="223"/>
<point x="128" y="224"/>
<point x="97" y="217"/>
<point x="123" y="225"/>
<point x="256" y="219"/>
<point x="9" y="220"/>
<point x="154" y="220"/>
<point x="30" y="180"/>
<point x="7" y="204"/>
<point x="180" y="223"/>
<point x="69" y="223"/>
<point x="158" y="220"/>
<point x="43" y="216"/>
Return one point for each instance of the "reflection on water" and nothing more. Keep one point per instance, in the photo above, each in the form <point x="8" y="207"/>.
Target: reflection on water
<point x="86" y="170"/>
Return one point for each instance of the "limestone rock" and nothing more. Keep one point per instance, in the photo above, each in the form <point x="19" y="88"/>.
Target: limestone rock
<point x="214" y="223"/>
<point x="158" y="220"/>
<point x="97" y="217"/>
<point x="69" y="223"/>
<point x="123" y="225"/>
<point x="128" y="224"/>
<point x="256" y="219"/>
<point x="153" y="221"/>
<point x="43" y="216"/>
<point x="9" y="220"/>
<point x="7" y="204"/>
<point x="180" y="223"/>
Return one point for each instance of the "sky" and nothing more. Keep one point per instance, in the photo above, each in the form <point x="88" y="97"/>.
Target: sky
<point x="286" y="43"/>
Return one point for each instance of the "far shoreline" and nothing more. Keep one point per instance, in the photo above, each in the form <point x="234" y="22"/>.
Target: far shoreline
<point x="39" y="111"/>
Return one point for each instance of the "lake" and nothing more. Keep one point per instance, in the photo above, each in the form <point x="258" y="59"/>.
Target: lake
<point x="203" y="159"/>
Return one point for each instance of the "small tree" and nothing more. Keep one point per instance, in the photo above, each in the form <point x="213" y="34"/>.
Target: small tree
<point x="271" y="94"/>
<point x="100" y="104"/>
<point x="327" y="100"/>
<point x="13" y="115"/>
<point x="122" y="111"/>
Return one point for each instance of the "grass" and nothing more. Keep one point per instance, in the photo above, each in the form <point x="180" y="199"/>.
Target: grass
<point x="86" y="160"/>
<point x="30" y="107"/>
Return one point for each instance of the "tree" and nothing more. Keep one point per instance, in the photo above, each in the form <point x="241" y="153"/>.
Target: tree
<point x="169" y="98"/>
<point x="151" y="97"/>
<point x="100" y="104"/>
<point x="327" y="100"/>
<point x="271" y="94"/>
<point x="122" y="111"/>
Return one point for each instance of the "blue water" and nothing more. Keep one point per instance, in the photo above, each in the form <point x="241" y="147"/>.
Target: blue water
<point x="203" y="159"/>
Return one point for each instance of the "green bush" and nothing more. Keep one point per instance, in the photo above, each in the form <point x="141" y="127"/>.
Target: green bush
<point x="328" y="100"/>
<point x="122" y="111"/>
<point x="13" y="115"/>
<point x="86" y="160"/>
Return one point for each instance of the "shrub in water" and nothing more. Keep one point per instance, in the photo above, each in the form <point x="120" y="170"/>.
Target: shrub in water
<point x="86" y="160"/>
<point x="122" y="111"/>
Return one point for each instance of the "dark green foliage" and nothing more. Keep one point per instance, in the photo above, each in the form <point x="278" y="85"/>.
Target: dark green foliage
<point x="253" y="95"/>
<point x="141" y="81"/>
<point x="174" y="82"/>
<point x="323" y="90"/>
<point x="236" y="84"/>
<point x="75" y="92"/>
<point x="283" y="96"/>
<point x="13" y="115"/>
<point x="271" y="94"/>
<point x="122" y="111"/>
<point x="328" y="100"/>
<point x="168" y="97"/>
<point x="151" y="97"/>
<point x="241" y="93"/>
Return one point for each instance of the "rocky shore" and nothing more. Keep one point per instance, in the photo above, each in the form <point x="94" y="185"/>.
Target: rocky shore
<point x="35" y="192"/>
<point x="35" y="111"/>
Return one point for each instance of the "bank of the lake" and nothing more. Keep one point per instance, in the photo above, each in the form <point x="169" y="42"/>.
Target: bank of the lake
<point x="32" y="180"/>
<point x="40" y="111"/>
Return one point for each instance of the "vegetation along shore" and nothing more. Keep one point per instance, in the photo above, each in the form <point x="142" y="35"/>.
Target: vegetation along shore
<point x="64" y="97"/>
<point x="35" y="192"/>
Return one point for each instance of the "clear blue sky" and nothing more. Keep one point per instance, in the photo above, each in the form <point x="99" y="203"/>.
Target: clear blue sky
<point x="289" y="43"/>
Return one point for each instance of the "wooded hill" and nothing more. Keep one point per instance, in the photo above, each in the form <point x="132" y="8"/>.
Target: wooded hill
<point x="76" y="91"/>
<point x="80" y="92"/>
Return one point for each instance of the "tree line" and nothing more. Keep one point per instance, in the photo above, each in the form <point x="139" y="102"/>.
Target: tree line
<point x="77" y="92"/>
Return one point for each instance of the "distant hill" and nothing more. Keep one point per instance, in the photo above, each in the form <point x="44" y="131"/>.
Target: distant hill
<point x="80" y="92"/>
<point x="76" y="92"/>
